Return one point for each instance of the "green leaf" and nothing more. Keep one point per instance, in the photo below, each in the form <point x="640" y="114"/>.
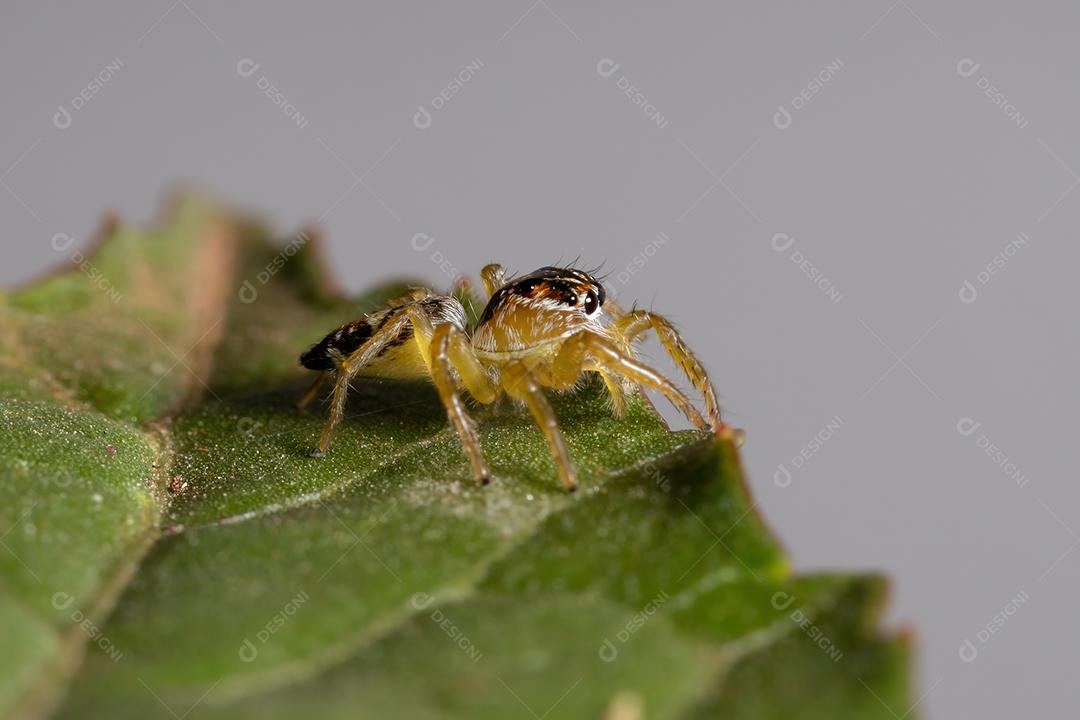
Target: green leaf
<point x="163" y="518"/>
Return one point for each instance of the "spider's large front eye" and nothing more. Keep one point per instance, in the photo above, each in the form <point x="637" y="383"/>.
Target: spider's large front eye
<point x="592" y="302"/>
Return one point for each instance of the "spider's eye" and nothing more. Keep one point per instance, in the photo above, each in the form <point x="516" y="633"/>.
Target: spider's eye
<point x="592" y="302"/>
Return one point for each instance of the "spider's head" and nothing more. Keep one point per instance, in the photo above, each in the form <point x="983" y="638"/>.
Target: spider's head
<point x="543" y="306"/>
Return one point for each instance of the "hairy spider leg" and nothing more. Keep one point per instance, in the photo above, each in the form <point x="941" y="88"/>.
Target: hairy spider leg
<point x="451" y="350"/>
<point x="637" y="322"/>
<point x="617" y="387"/>
<point x="616" y="391"/>
<point x="521" y="385"/>
<point x="401" y="319"/>
<point x="587" y="350"/>
<point x="312" y="392"/>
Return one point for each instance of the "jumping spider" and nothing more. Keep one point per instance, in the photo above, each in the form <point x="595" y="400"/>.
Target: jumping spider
<point x="540" y="330"/>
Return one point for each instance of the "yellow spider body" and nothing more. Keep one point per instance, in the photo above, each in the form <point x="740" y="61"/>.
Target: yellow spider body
<point x="539" y="330"/>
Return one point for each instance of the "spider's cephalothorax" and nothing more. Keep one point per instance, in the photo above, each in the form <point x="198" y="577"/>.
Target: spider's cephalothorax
<point x="539" y="330"/>
<point x="530" y="313"/>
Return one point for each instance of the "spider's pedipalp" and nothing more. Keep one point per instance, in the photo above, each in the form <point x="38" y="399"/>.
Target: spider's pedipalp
<point x="493" y="276"/>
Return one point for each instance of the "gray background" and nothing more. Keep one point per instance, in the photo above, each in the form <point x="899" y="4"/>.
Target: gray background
<point x="899" y="180"/>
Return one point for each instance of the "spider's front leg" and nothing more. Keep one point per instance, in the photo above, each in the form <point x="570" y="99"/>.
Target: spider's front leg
<point x="629" y="328"/>
<point x="520" y="384"/>
<point x="588" y="351"/>
<point x="451" y="350"/>
<point x="401" y="319"/>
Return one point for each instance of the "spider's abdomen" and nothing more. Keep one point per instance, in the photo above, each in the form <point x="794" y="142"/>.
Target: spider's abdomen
<point x="326" y="354"/>
<point x="396" y="355"/>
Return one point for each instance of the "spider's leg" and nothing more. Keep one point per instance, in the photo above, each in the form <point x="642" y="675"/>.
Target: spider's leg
<point x="616" y="386"/>
<point x="520" y="384"/>
<point x="632" y="325"/>
<point x="493" y="276"/>
<point x="616" y="391"/>
<point x="399" y="320"/>
<point x="312" y="392"/>
<point x="589" y="351"/>
<point x="450" y="350"/>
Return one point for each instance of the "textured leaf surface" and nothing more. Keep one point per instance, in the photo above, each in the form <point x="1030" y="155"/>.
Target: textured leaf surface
<point x="156" y="480"/>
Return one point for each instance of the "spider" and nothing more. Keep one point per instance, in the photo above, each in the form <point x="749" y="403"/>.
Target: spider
<point x="544" y="329"/>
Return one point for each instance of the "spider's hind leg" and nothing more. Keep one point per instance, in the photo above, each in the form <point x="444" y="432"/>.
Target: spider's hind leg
<point x="396" y="326"/>
<point x="313" y="392"/>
